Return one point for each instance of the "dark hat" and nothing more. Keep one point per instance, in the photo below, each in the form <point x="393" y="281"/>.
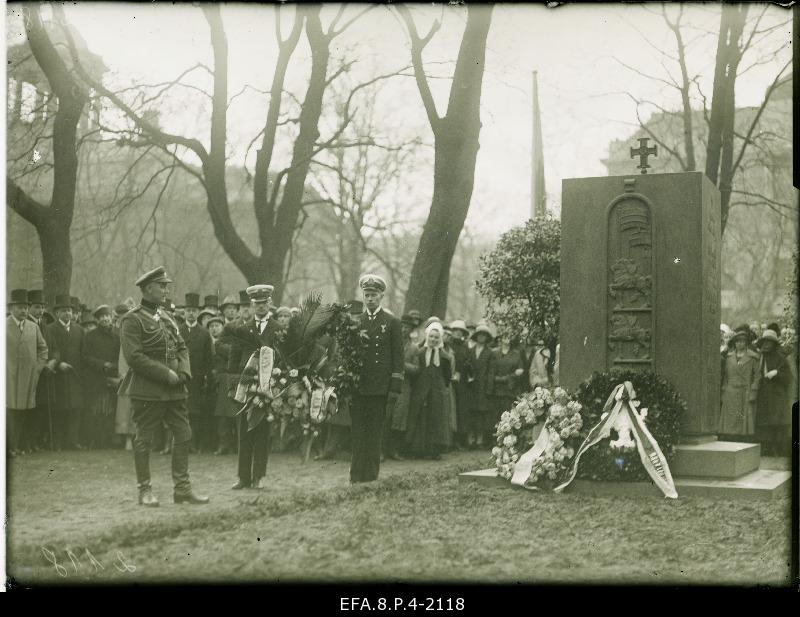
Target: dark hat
<point x="62" y="301"/>
<point x="408" y="320"/>
<point x="205" y="313"/>
<point x="101" y="310"/>
<point x="75" y="301"/>
<point x="244" y="299"/>
<point x="774" y="327"/>
<point x="230" y="300"/>
<point x="416" y="316"/>
<point x="36" y="296"/>
<point x="214" y="318"/>
<point x="156" y="275"/>
<point x="372" y="282"/>
<point x="192" y="300"/>
<point x="87" y="317"/>
<point x="121" y="309"/>
<point x="19" y="296"/>
<point x="211" y="300"/>
<point x="742" y="331"/>
<point x="355" y="307"/>
<point x="260" y="293"/>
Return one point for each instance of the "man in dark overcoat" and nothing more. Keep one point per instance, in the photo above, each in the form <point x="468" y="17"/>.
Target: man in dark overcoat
<point x="100" y="358"/>
<point x="380" y="380"/>
<point x="245" y="338"/>
<point x="66" y="348"/>
<point x="38" y="423"/>
<point x="201" y="358"/>
<point x="159" y="370"/>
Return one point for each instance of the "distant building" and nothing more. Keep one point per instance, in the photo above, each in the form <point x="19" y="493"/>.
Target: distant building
<point x="761" y="231"/>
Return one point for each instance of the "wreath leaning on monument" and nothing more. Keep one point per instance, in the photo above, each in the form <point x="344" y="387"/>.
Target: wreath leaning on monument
<point x="538" y="437"/>
<point x="663" y="407"/>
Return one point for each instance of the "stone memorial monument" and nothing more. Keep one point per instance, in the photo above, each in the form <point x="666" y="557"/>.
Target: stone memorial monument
<point x="640" y="282"/>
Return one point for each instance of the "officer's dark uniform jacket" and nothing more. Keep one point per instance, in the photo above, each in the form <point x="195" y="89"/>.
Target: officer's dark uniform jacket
<point x="382" y="369"/>
<point x="152" y="345"/>
<point x="244" y="339"/>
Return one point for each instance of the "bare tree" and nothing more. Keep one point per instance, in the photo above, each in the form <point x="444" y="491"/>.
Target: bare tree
<point x="352" y="181"/>
<point x="278" y="195"/>
<point x="456" y="149"/>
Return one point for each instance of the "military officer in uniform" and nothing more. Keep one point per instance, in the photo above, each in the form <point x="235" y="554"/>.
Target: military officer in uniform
<point x="380" y="380"/>
<point x="245" y="338"/>
<point x="156" y="381"/>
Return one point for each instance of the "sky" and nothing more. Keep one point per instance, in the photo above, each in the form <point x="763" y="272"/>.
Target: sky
<point x="576" y="50"/>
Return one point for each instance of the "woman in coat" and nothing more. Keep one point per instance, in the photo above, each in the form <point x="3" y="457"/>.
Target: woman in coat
<point x="773" y="402"/>
<point x="395" y="425"/>
<point x="481" y="412"/>
<point x="739" y="386"/>
<point x="505" y="371"/>
<point x="428" y="425"/>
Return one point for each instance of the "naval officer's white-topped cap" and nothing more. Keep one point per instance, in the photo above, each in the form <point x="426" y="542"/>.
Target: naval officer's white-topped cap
<point x="260" y="293"/>
<point x="372" y="282"/>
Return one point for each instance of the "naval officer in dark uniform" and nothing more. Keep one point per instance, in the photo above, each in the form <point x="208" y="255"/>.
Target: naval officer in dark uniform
<point x="156" y="381"/>
<point x="244" y="338"/>
<point x="380" y="380"/>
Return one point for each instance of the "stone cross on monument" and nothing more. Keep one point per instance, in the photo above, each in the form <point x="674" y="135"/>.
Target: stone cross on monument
<point x="643" y="152"/>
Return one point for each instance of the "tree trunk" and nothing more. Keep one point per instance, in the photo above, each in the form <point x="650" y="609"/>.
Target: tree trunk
<point x="719" y="152"/>
<point x="53" y="222"/>
<point x="456" y="149"/>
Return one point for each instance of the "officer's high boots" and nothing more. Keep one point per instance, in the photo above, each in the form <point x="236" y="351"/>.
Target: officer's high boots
<point x="141" y="460"/>
<point x="180" y="475"/>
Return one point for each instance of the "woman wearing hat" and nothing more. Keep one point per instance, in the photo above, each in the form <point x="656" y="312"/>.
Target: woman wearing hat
<point x="773" y="402"/>
<point x="428" y="425"/>
<point x="739" y="385"/>
<point x="481" y="413"/>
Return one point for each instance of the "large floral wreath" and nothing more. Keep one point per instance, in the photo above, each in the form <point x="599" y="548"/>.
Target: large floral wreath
<point x="520" y="427"/>
<point x="574" y="425"/>
<point x="314" y="365"/>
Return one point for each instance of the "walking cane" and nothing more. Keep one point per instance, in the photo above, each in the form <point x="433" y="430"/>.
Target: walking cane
<point x="49" y="409"/>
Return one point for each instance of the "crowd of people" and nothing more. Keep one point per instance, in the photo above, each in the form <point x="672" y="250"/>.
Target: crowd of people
<point x="758" y="385"/>
<point x="63" y="388"/>
<point x="64" y="368"/>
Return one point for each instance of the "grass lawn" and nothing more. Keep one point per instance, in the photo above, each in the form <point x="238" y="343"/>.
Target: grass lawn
<point x="417" y="523"/>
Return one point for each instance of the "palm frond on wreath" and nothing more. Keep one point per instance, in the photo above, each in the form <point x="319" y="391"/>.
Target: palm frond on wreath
<point x="298" y="345"/>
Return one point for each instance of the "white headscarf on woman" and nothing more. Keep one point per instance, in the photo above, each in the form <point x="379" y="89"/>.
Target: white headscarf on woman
<point x="432" y="351"/>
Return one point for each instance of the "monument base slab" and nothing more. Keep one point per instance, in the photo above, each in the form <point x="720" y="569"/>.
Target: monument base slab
<point x="756" y="485"/>
<point x="717" y="459"/>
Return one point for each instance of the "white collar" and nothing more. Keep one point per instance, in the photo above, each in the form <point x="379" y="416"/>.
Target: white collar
<point x="17" y="321"/>
<point x="66" y="325"/>
<point x="191" y="325"/>
<point x="377" y="310"/>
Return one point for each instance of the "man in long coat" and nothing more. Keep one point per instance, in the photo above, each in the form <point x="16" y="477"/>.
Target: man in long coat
<point x="223" y="407"/>
<point x="245" y="338"/>
<point x="156" y="383"/>
<point x="26" y="356"/>
<point x="100" y="357"/>
<point x="380" y="380"/>
<point x="201" y="358"/>
<point x="38" y="424"/>
<point x="66" y="338"/>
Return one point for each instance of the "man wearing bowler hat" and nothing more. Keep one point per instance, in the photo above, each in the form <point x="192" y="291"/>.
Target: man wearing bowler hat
<point x="156" y="381"/>
<point x="245" y="338"/>
<point x="380" y="380"/>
